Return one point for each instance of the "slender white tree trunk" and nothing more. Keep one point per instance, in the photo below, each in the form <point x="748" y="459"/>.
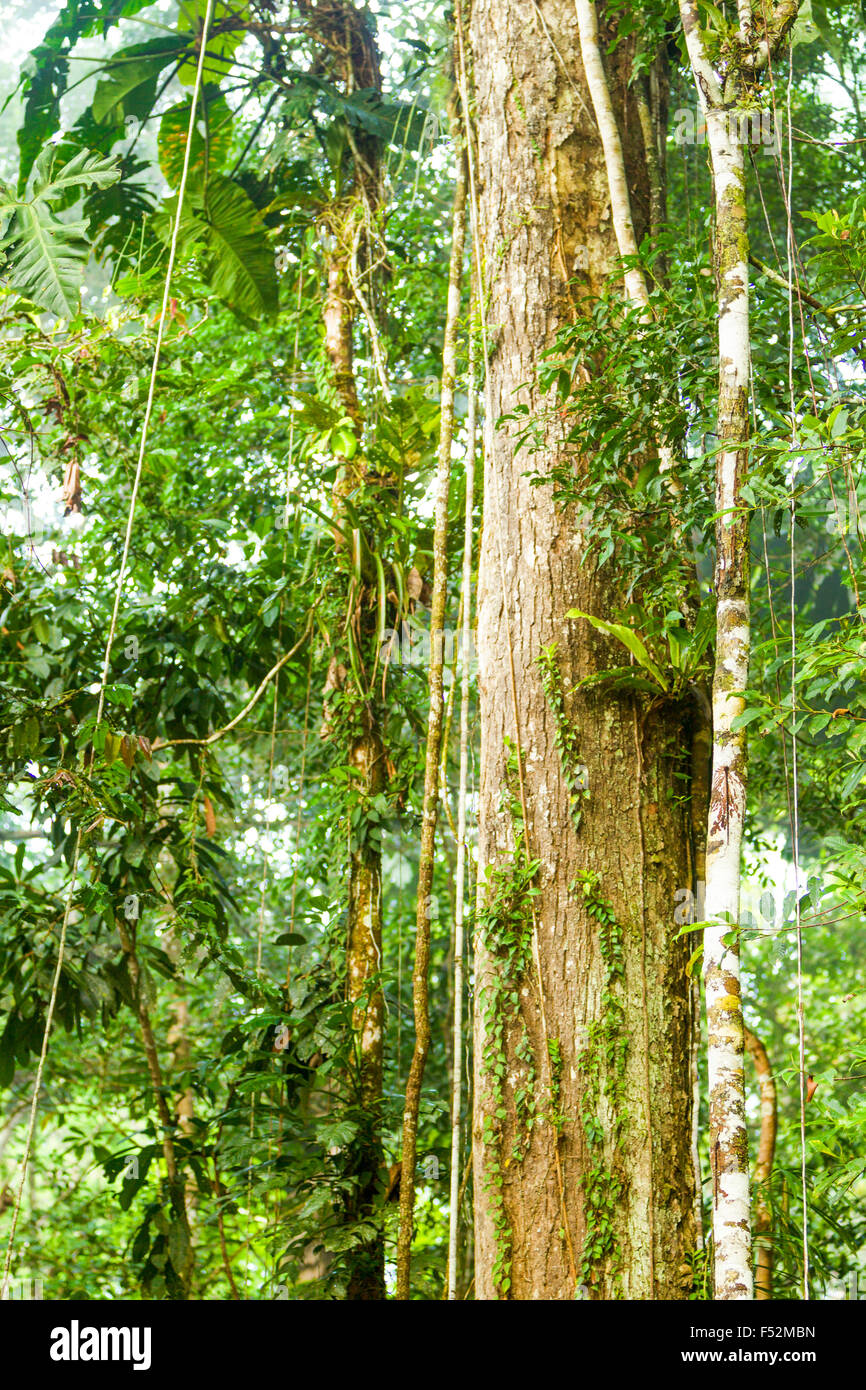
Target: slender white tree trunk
<point x="728" y="1134"/>
<point x="732" y="1237"/>
<point x="620" y="203"/>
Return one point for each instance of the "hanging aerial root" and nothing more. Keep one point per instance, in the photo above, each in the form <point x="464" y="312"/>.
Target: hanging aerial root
<point x="434" y="728"/>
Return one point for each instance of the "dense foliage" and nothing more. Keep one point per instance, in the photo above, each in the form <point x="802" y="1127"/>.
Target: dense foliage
<point x="192" y="845"/>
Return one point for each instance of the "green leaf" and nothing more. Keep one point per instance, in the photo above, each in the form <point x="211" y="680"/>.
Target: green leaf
<point x="741" y="721"/>
<point x="715" y="16"/>
<point x="392" y="122"/>
<point x="48" y="65"/>
<point x="178" y="1245"/>
<point x="132" y="76"/>
<point x="7" y="1058"/>
<point x="45" y="256"/>
<point x="120" y="694"/>
<point x="224" y="226"/>
<point x="805" y="29"/>
<point x="629" y="639"/>
<point x="221" y="46"/>
<point x="174" y="127"/>
<point x="132" y="1183"/>
<point x="853" y="780"/>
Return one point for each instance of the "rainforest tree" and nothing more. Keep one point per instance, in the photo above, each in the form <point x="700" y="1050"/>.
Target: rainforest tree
<point x="432" y="486"/>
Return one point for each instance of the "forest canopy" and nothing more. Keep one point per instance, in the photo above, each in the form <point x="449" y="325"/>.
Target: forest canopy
<point x="432" y="652"/>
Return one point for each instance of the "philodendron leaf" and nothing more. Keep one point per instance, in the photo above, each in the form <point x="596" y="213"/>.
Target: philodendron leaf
<point x="214" y="121"/>
<point x="44" y="256"/>
<point x="221" y="223"/>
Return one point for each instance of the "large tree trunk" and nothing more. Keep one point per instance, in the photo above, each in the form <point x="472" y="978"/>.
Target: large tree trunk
<point x="599" y="1189"/>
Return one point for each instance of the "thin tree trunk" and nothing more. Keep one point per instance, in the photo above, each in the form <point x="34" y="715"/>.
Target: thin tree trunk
<point x="434" y="733"/>
<point x="348" y="40"/>
<point x="649" y="120"/>
<point x="617" y="182"/>
<point x="763" y="1166"/>
<point x="182" y="1262"/>
<point x="459" y="944"/>
<point x="634" y="278"/>
<point x="363" y="971"/>
<point x="728" y="1138"/>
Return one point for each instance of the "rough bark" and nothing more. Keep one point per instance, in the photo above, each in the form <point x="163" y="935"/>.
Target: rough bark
<point x="545" y="217"/>
<point x="763" y="1166"/>
<point x="719" y="94"/>
<point x="699" y="796"/>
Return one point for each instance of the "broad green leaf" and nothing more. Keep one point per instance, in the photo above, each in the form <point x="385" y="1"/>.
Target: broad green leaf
<point x="173" y="129"/>
<point x="83" y="170"/>
<point x="46" y="72"/>
<point x="225" y="228"/>
<point x="392" y="122"/>
<point x="178" y="1245"/>
<point x="132" y="76"/>
<point x="853" y="779"/>
<point x="120" y="694"/>
<point x="44" y="255"/>
<point x="220" y="45"/>
<point x="805" y="29"/>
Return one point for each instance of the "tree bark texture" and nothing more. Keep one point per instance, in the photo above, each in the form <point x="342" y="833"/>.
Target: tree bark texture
<point x="719" y="94"/>
<point x="763" y="1166"/>
<point x="583" y="1073"/>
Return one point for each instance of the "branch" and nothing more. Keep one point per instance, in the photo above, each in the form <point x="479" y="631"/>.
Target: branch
<point x="777" y="29"/>
<point x="795" y="290"/>
<point x="220" y="733"/>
